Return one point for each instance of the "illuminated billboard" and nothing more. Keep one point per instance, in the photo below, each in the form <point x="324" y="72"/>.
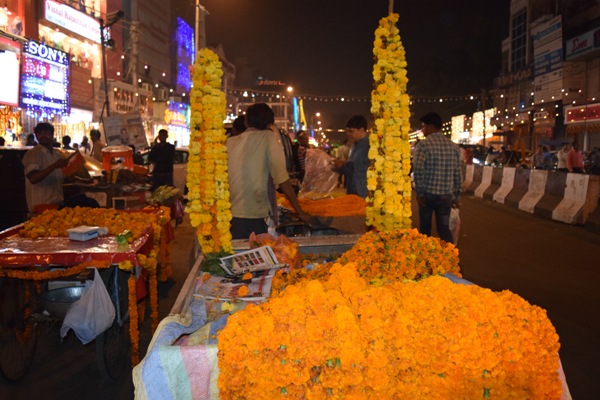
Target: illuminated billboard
<point x="45" y="79"/>
<point x="10" y="56"/>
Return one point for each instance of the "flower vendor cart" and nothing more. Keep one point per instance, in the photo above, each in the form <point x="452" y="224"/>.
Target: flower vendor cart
<point x="39" y="251"/>
<point x="184" y="360"/>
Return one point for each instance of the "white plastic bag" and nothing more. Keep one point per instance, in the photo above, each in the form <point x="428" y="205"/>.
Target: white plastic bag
<point x="92" y="314"/>
<point x="454" y="224"/>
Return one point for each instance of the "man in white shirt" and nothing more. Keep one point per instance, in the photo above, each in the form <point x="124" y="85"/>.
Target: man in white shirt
<point x="42" y="166"/>
<point x="252" y="157"/>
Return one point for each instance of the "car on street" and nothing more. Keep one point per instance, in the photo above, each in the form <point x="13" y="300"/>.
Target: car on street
<point x="179" y="167"/>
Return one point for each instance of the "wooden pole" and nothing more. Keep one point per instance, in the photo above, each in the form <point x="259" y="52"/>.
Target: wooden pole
<point x="391" y="6"/>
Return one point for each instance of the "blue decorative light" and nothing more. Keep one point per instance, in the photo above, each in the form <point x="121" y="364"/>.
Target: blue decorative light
<point x="185" y="55"/>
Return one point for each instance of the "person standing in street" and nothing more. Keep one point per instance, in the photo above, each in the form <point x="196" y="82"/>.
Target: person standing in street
<point x="575" y="159"/>
<point x="162" y="155"/>
<point x="299" y="153"/>
<point x="66" y="141"/>
<point x="438" y="178"/>
<point x="97" y="144"/>
<point x="85" y="147"/>
<point x="355" y="168"/>
<point x="561" y="157"/>
<point x="42" y="166"/>
<point x="252" y="157"/>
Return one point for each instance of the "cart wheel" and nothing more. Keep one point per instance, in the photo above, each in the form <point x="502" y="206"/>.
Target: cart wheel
<point x="112" y="346"/>
<point x="18" y="334"/>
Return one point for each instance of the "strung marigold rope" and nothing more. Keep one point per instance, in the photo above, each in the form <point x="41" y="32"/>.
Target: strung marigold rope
<point x="343" y="206"/>
<point x="49" y="275"/>
<point x="133" y="321"/>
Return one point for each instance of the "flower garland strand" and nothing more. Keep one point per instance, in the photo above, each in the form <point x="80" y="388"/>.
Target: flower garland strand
<point x="208" y="182"/>
<point x="388" y="181"/>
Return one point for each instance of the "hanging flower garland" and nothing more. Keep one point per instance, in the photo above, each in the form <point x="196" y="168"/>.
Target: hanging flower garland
<point x="388" y="181"/>
<point x="208" y="182"/>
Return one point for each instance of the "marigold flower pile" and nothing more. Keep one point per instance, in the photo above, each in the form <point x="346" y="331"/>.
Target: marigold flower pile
<point x="383" y="257"/>
<point x="345" y="338"/>
<point x="388" y="181"/>
<point x="208" y="182"/>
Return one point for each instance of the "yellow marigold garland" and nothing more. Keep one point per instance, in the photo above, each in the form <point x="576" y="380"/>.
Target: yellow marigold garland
<point x="208" y="182"/>
<point x="134" y="333"/>
<point x="344" y="338"/>
<point x="388" y="181"/>
<point x="58" y="273"/>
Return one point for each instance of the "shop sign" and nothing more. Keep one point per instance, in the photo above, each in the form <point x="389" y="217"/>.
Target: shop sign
<point x="73" y="20"/>
<point x="176" y="114"/>
<point x="44" y="79"/>
<point x="10" y="22"/>
<point x="517" y="76"/>
<point x="10" y="55"/>
<point x="582" y="44"/>
<point x="125" y="129"/>
<point x="585" y="113"/>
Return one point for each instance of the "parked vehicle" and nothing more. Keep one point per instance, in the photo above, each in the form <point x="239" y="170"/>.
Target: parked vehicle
<point x="179" y="167"/>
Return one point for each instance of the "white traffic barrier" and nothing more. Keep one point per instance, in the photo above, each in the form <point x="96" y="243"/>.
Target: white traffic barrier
<point x="468" y="177"/>
<point x="568" y="210"/>
<point x="486" y="181"/>
<point x="508" y="182"/>
<point x="537" y="187"/>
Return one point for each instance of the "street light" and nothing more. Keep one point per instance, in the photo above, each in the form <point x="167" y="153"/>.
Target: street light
<point x="312" y="124"/>
<point x="111" y="19"/>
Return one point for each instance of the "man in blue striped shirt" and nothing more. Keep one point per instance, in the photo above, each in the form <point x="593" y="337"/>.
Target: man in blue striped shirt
<point x="438" y="178"/>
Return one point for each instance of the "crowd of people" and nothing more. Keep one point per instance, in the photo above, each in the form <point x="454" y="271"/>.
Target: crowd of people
<point x="279" y="164"/>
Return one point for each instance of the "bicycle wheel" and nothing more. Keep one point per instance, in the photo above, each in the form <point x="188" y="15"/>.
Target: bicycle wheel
<point x="18" y="334"/>
<point x="112" y="346"/>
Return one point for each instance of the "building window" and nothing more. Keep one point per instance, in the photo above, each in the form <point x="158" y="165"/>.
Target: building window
<point x="518" y="59"/>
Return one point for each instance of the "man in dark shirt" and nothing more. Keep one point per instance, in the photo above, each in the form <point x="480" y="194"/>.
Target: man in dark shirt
<point x="355" y="169"/>
<point x="162" y="155"/>
<point x="438" y="179"/>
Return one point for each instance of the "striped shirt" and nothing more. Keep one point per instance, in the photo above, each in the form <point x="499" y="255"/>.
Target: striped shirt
<point x="437" y="167"/>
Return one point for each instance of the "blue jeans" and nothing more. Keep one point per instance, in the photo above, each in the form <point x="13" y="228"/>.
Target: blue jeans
<point x="441" y="205"/>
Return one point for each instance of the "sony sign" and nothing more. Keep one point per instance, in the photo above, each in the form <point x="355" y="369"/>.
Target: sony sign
<point x="47" y="53"/>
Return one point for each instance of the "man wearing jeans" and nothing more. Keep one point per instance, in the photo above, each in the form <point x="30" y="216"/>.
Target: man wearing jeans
<point x="438" y="178"/>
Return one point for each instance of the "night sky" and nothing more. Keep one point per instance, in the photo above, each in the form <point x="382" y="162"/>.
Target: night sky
<point x="324" y="48"/>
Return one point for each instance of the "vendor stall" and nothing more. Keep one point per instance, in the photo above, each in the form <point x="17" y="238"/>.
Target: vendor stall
<point x="42" y="250"/>
<point x="185" y="357"/>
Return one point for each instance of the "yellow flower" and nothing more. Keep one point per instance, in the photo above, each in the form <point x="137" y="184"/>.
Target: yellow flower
<point x="389" y="136"/>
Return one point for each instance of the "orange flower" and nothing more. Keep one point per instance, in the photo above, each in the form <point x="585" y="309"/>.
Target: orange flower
<point x="429" y="339"/>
